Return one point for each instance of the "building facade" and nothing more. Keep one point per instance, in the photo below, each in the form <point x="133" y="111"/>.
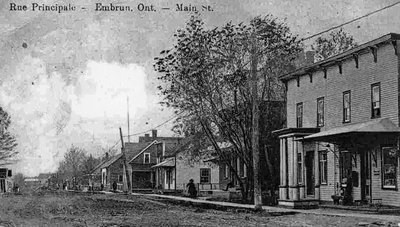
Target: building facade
<point x="6" y="182"/>
<point x="342" y="135"/>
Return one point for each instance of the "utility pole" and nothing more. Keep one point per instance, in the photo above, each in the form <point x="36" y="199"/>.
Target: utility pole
<point x="128" y="180"/>
<point x="129" y="137"/>
<point x="255" y="129"/>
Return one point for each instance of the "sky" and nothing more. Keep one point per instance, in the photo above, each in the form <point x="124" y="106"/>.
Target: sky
<point x="65" y="77"/>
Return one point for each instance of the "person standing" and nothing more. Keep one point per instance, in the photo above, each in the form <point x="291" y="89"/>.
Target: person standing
<point x="191" y="189"/>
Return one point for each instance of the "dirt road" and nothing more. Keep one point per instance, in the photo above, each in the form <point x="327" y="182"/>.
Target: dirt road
<point x="68" y="209"/>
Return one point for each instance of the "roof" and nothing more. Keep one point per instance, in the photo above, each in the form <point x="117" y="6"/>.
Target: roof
<point x="100" y="165"/>
<point x="44" y="175"/>
<point x="383" y="125"/>
<point x="138" y="149"/>
<point x="286" y="131"/>
<point x="340" y="57"/>
<point x="131" y="149"/>
<point x="168" y="162"/>
<point x="110" y="161"/>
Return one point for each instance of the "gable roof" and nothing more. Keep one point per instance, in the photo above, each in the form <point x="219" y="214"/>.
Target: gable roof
<point x="99" y="166"/>
<point x="140" y="149"/>
<point x="110" y="161"/>
<point x="131" y="149"/>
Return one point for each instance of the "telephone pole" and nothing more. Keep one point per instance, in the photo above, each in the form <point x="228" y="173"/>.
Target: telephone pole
<point x="128" y="180"/>
<point x="255" y="123"/>
<point x="129" y="137"/>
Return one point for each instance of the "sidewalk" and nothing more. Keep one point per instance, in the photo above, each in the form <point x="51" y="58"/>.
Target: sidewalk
<point x="329" y="212"/>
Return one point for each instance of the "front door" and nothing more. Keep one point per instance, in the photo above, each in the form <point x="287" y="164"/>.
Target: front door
<point x="365" y="175"/>
<point x="309" y="164"/>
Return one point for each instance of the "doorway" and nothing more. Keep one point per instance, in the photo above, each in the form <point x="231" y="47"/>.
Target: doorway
<point x="310" y="179"/>
<point x="365" y="175"/>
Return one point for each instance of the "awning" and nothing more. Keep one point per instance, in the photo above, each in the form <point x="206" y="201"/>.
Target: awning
<point x="169" y="162"/>
<point x="383" y="125"/>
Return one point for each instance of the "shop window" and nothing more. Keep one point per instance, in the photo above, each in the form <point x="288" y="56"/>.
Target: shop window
<point x="323" y="167"/>
<point x="389" y="167"/>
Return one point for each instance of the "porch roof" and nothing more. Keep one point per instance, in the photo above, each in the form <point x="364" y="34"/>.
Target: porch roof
<point x="169" y="162"/>
<point x="382" y="125"/>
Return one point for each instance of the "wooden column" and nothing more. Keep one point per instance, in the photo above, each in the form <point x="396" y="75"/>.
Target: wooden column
<point x="290" y="165"/>
<point x="295" y="185"/>
<point x="316" y="171"/>
<point x="301" y="184"/>
<point x="283" y="173"/>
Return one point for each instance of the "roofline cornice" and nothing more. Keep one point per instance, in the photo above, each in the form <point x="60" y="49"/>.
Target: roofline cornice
<point x="352" y="53"/>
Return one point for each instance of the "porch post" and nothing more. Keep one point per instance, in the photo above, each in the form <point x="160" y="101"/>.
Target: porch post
<point x="316" y="171"/>
<point x="283" y="186"/>
<point x="291" y="169"/>
<point x="300" y="151"/>
<point x="295" y="184"/>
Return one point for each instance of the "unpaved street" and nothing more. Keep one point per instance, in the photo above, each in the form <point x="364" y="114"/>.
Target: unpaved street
<point x="68" y="209"/>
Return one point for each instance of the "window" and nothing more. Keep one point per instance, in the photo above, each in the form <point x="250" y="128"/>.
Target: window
<point x="244" y="170"/>
<point x="323" y="167"/>
<point x="120" y="178"/>
<point x="226" y="171"/>
<point x="205" y="176"/>
<point x="320" y="112"/>
<point x="146" y="158"/>
<point x="389" y="167"/>
<point x="376" y="100"/>
<point x="346" y="106"/>
<point x="299" y="115"/>
<point x="299" y="168"/>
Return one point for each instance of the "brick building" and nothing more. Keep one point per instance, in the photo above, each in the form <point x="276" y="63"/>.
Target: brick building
<point x="342" y="135"/>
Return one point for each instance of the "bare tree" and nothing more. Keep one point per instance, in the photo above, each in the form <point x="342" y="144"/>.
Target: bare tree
<point x="7" y="140"/>
<point x="72" y="166"/>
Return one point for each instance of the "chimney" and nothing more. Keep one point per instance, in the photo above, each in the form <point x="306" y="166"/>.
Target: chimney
<point x="154" y="133"/>
<point x="310" y="57"/>
<point x="146" y="137"/>
<point x="304" y="59"/>
<point x="107" y="155"/>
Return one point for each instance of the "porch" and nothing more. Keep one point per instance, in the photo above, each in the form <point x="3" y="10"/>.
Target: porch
<point x="357" y="163"/>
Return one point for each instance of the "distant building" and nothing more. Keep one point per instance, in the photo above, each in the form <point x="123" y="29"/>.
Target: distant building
<point x="175" y="167"/>
<point x="140" y="157"/>
<point x="6" y="182"/>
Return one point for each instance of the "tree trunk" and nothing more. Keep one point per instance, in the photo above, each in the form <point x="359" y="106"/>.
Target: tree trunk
<point x="255" y="130"/>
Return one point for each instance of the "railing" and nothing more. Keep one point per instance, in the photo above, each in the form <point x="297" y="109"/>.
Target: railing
<point x="201" y="186"/>
<point x="208" y="186"/>
<point x="120" y="187"/>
